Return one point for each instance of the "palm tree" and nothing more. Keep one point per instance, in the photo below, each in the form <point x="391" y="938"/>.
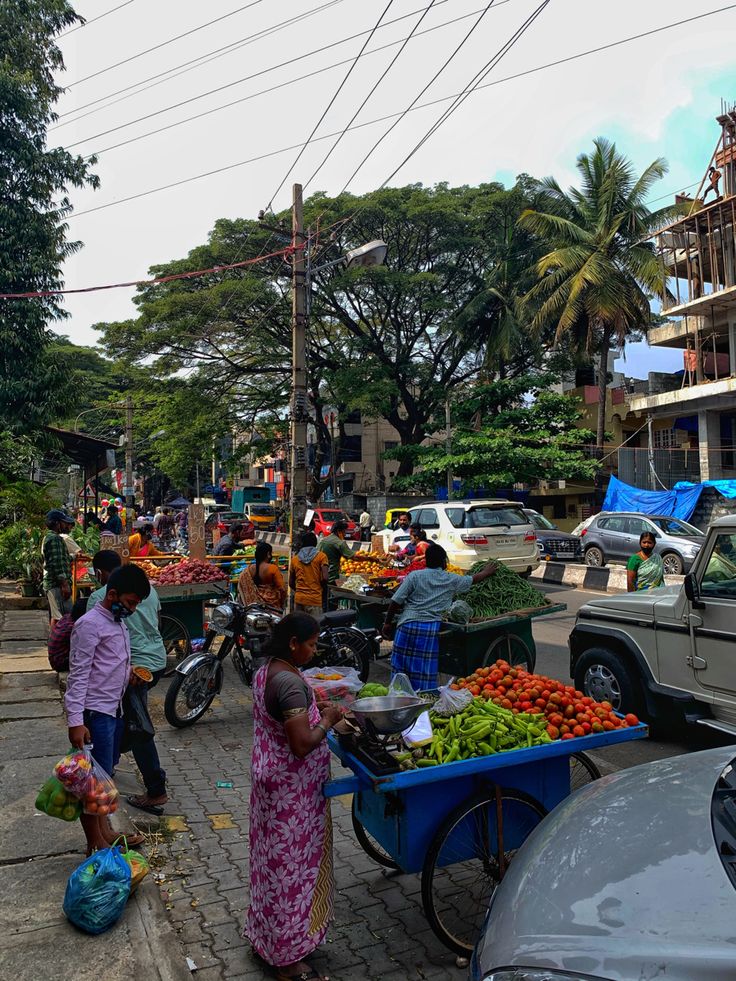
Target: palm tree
<point x="594" y="285"/>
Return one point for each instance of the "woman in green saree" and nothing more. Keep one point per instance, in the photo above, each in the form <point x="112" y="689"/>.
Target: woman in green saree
<point x="645" y="569"/>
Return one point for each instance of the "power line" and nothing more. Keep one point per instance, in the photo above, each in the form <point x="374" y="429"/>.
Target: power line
<point x="93" y="19"/>
<point x="163" y="44"/>
<point x="174" y="72"/>
<point x="472" y="85"/>
<point x="288" y="82"/>
<point x="331" y="103"/>
<point x="221" y="88"/>
<point x="416" y="99"/>
<point x="385" y="118"/>
<point x="364" y="102"/>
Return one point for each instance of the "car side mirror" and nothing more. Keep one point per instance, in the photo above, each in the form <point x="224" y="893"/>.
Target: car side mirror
<point x="692" y="591"/>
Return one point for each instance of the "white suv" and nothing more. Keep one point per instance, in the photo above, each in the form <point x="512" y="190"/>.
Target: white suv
<point x="473" y="530"/>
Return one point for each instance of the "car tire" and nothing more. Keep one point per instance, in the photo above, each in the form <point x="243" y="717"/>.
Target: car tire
<point x="594" y="556"/>
<point x="600" y="674"/>
<point x="673" y="564"/>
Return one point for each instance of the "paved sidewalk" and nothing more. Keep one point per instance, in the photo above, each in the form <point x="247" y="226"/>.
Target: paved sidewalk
<point x="379" y="931"/>
<point x="37" y="853"/>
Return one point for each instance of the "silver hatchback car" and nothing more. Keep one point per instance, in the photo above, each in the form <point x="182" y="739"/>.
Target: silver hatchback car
<point x="631" y="878"/>
<point x="615" y="535"/>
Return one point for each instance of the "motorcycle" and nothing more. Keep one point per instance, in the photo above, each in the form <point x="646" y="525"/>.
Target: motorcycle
<point x="245" y="632"/>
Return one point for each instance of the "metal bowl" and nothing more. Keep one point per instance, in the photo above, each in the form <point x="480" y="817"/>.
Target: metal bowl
<point x="387" y="714"/>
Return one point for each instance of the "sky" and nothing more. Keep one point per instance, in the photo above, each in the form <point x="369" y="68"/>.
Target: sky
<point x="655" y="96"/>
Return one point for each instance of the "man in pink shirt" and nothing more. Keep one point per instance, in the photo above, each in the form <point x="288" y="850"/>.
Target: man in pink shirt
<point x="99" y="673"/>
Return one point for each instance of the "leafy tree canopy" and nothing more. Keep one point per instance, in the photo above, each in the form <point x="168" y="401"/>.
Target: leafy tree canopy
<point x="33" y="205"/>
<point x="504" y="432"/>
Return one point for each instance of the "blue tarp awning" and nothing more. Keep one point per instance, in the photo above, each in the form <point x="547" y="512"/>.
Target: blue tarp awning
<point x="677" y="503"/>
<point x="727" y="488"/>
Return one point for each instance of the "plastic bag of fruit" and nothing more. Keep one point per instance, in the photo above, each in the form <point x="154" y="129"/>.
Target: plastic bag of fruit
<point x="139" y="867"/>
<point x="56" y="801"/>
<point x="74" y="771"/>
<point x="101" y="795"/>
<point x="340" y="685"/>
<point x="452" y="702"/>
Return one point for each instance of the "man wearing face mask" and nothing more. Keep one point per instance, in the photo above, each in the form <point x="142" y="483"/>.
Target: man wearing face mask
<point x="99" y="672"/>
<point x="146" y="651"/>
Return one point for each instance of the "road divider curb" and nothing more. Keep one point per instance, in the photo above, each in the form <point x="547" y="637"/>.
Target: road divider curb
<point x="601" y="579"/>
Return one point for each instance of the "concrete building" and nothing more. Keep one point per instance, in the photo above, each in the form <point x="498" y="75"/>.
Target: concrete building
<point x="696" y="407"/>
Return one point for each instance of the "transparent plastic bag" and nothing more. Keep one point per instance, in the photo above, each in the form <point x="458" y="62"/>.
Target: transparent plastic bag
<point x="339" y="685"/>
<point x="56" y="801"/>
<point x="101" y="794"/>
<point x="139" y="867"/>
<point x="450" y="701"/>
<point x="74" y="771"/>
<point x="400" y="685"/>
<point x="97" y="891"/>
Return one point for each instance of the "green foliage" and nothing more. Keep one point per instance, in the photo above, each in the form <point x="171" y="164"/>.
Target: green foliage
<point x="20" y="553"/>
<point x="595" y="282"/>
<point x="508" y="431"/>
<point x="33" y="205"/>
<point x="88" y="541"/>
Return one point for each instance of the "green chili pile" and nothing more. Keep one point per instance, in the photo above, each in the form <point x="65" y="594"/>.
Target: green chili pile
<point x="481" y="730"/>
<point x="502" y="592"/>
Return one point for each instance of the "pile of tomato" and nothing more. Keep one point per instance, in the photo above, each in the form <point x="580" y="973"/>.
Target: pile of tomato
<point x="568" y="713"/>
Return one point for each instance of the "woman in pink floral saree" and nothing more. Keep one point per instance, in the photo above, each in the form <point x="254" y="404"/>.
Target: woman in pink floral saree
<point x="290" y="823"/>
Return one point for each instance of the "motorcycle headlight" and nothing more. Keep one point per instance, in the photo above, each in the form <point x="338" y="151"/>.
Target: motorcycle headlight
<point x="534" y="974"/>
<point x="222" y="616"/>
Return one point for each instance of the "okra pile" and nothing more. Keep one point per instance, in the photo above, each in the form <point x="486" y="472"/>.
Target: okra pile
<point x="502" y="592"/>
<point x="480" y="730"/>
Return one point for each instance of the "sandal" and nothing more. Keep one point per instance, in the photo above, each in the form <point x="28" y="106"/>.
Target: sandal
<point x="142" y="802"/>
<point x="310" y="975"/>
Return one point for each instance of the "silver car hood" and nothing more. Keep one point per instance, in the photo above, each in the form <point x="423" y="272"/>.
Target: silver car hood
<point x="622" y="882"/>
<point x="642" y="603"/>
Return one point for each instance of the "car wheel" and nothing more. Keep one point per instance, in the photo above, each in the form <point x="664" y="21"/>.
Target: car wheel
<point x="673" y="564"/>
<point x="602" y="676"/>
<point x="594" y="556"/>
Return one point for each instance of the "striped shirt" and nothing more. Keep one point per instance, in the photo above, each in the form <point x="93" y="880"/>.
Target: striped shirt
<point x="427" y="593"/>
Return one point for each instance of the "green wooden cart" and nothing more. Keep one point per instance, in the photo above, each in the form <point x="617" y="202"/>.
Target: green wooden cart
<point x="464" y="647"/>
<point x="183" y="615"/>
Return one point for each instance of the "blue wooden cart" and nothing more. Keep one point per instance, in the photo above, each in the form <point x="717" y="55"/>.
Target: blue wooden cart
<point x="459" y="824"/>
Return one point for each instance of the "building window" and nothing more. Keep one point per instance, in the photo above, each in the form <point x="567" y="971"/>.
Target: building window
<point x="665" y="439"/>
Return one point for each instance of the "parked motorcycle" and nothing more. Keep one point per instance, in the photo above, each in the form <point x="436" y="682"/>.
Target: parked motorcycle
<point x="245" y="632"/>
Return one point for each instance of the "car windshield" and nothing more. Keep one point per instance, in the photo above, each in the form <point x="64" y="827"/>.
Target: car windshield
<point x="486" y="517"/>
<point x="331" y="515"/>
<point x="544" y="524"/>
<point x="262" y="510"/>
<point x="673" y="526"/>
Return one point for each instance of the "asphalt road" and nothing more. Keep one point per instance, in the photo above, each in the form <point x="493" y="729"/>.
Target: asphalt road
<point x="551" y="634"/>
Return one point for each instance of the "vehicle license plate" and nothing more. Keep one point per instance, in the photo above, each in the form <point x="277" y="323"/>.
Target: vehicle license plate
<point x="507" y="540"/>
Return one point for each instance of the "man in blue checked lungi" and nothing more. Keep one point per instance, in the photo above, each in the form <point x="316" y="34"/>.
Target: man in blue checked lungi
<point x="423" y="597"/>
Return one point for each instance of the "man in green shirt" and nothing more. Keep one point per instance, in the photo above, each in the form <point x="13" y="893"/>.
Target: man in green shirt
<point x="335" y="548"/>
<point x="57" y="566"/>
<point x="147" y="650"/>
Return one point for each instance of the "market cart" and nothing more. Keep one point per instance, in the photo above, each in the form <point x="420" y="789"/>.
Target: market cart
<point x="183" y="614"/>
<point x="459" y="824"/>
<point x="464" y="647"/>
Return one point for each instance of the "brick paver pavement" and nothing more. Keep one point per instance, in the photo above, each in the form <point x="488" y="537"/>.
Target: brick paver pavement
<point x="379" y="930"/>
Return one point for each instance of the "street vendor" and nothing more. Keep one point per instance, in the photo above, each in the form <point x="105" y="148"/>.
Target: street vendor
<point x="335" y="548"/>
<point x="416" y="548"/>
<point x="141" y="544"/>
<point x="422" y="597"/>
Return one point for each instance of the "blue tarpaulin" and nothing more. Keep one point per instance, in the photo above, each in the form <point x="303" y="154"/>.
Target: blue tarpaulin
<point x="677" y="503"/>
<point x="727" y="488"/>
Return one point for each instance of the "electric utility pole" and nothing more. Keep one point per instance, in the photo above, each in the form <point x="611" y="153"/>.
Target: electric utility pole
<point x="448" y="447"/>
<point x="128" y="489"/>
<point x="299" y="410"/>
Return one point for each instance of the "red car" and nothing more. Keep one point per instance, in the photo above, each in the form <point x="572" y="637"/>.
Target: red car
<point x="324" y="518"/>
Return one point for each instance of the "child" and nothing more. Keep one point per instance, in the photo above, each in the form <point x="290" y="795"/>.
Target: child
<point x="61" y="634"/>
<point x="99" y="673"/>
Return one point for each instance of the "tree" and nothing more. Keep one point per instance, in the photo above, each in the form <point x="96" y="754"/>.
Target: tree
<point x="528" y="433"/>
<point x="389" y="341"/>
<point x="595" y="282"/>
<point x="33" y="205"/>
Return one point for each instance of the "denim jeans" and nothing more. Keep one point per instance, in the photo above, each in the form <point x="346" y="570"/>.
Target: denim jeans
<point x="106" y="731"/>
<point x="146" y="754"/>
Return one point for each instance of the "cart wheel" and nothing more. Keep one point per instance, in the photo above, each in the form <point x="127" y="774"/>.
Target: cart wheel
<point x="369" y="844"/>
<point x="176" y="640"/>
<point x="510" y="648"/>
<point x="582" y="771"/>
<point x="467" y="860"/>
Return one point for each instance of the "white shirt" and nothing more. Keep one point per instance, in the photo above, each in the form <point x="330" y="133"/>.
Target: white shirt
<point x="400" y="536"/>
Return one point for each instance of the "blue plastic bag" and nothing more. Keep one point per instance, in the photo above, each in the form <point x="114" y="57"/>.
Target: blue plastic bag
<point x="97" y="891"/>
